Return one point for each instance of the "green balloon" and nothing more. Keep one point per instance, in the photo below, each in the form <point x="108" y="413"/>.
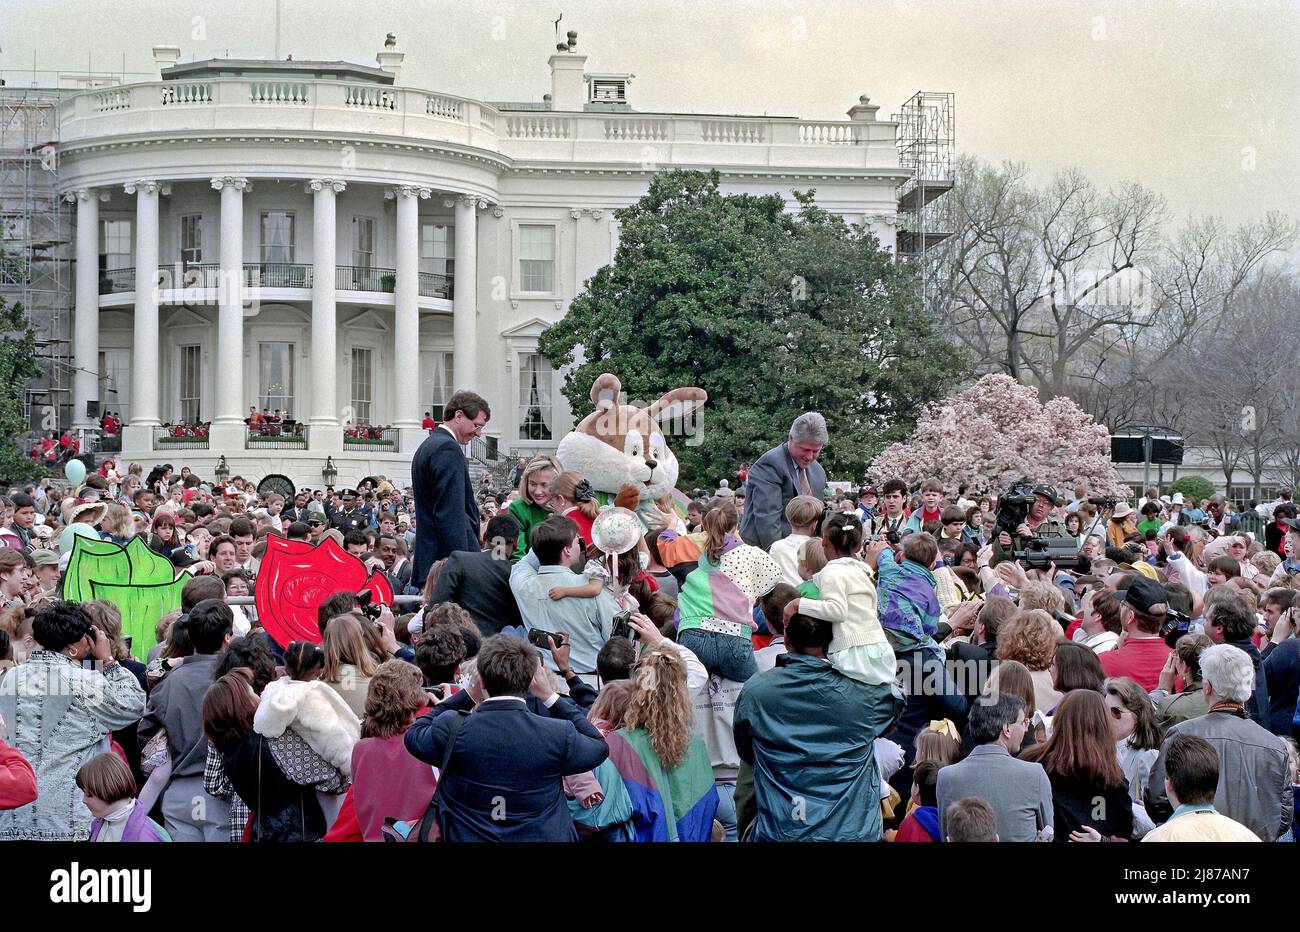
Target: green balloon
<point x="75" y="472"/>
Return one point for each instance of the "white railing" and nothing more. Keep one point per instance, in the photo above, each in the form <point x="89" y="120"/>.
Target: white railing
<point x="119" y="99"/>
<point x="278" y="92"/>
<point x="369" y="97"/>
<point x="637" y="130"/>
<point x="235" y="105"/>
<point x="532" y="126"/>
<point x="733" y="132"/>
<point x="827" y="134"/>
<point x="444" y="108"/>
<point x="184" y="93"/>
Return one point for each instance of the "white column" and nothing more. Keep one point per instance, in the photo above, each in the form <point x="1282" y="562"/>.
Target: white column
<point x="464" y="307"/>
<point x="228" y="410"/>
<point x="145" y="414"/>
<point x="85" y="330"/>
<point x="406" y="330"/>
<point x="326" y="432"/>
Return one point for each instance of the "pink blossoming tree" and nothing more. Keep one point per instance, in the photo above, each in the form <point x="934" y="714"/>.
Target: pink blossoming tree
<point x="996" y="432"/>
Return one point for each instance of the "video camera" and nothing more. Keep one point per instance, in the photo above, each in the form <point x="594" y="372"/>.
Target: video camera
<point x="1041" y="550"/>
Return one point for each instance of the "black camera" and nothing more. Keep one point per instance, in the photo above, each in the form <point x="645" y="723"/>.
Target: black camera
<point x="365" y="602"/>
<point x="1175" y="626"/>
<point x="539" y="638"/>
<point x="1013" y="507"/>
<point x="623" y="626"/>
<point x="1041" y="551"/>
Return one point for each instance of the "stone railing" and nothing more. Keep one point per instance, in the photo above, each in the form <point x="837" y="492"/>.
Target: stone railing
<point x="222" y="105"/>
<point x="185" y="92"/>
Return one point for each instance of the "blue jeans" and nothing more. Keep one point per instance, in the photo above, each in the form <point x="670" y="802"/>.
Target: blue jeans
<point x="730" y="657"/>
<point x="726" y="813"/>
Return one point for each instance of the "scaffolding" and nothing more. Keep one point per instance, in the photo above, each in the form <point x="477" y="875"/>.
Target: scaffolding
<point x="925" y="149"/>
<point x="35" y="260"/>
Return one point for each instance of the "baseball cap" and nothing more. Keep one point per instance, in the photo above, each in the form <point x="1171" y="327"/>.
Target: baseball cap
<point x="1047" y="492"/>
<point x="1292" y="523"/>
<point x="1144" y="594"/>
<point x="44" y="557"/>
<point x="867" y="490"/>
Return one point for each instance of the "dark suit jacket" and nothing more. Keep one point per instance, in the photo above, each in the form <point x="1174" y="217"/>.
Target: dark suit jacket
<point x="503" y="780"/>
<point x="480" y="584"/>
<point x="446" y="513"/>
<point x="769" y="488"/>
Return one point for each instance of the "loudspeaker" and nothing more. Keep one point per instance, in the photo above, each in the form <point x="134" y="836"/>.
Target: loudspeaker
<point x="92" y="409"/>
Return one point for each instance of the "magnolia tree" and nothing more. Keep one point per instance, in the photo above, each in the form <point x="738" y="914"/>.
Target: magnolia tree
<point x="997" y="431"/>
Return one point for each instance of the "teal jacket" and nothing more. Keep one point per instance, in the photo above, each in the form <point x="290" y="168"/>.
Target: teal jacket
<point x="810" y="734"/>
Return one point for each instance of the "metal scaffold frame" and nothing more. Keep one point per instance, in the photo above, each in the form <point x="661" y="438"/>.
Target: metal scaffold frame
<point x="35" y="262"/>
<point x="926" y="141"/>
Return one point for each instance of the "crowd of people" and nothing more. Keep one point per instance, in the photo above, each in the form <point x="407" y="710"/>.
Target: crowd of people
<point x="769" y="662"/>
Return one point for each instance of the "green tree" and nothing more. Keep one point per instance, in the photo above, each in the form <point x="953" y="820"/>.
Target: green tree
<point x="17" y="366"/>
<point x="1192" y="487"/>
<point x="772" y="313"/>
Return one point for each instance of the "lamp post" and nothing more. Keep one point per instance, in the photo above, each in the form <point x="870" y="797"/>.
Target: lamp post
<point x="329" y="473"/>
<point x="222" y="470"/>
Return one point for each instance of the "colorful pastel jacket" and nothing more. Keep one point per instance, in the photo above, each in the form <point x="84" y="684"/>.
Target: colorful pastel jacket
<point x="674" y="805"/>
<point x="906" y="596"/>
<point x="709" y="593"/>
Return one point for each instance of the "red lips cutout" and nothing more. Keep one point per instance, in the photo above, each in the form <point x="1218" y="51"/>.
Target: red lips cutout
<point x="296" y="578"/>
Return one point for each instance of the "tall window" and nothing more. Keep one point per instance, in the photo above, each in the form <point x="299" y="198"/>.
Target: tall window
<point x="438" y="249"/>
<point x="275" y="376"/>
<point x="438" y="376"/>
<point x="534" y="398"/>
<point x="115" y="245"/>
<point x="361" y="384"/>
<point x="191" y="239"/>
<point x="536" y="258"/>
<point x="190" y="390"/>
<point x="363" y="242"/>
<point x="277" y="236"/>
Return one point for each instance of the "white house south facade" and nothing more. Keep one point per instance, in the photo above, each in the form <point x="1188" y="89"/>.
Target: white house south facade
<point x="316" y="238"/>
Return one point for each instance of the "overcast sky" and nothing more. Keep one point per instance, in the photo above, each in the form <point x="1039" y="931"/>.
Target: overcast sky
<point x="1195" y="99"/>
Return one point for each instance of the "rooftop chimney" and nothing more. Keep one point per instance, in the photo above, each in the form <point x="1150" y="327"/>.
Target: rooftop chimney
<point x="568" y="89"/>
<point x="390" y="59"/>
<point x="164" y="56"/>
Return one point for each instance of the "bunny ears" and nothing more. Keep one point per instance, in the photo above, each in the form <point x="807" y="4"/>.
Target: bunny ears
<point x="674" y="405"/>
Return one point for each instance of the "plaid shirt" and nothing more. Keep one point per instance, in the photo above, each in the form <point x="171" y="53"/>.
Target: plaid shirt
<point x="216" y="783"/>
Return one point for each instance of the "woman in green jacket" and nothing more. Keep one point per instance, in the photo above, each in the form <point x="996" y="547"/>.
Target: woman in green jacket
<point x="530" y="508"/>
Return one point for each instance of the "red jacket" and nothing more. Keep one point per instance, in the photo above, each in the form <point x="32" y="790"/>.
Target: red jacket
<point x="17" y="779"/>
<point x="1141" y="660"/>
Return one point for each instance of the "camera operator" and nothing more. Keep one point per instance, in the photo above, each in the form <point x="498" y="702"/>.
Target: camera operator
<point x="1036" y="524"/>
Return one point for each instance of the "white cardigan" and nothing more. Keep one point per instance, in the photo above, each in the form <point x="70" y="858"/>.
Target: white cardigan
<point x="849" y="602"/>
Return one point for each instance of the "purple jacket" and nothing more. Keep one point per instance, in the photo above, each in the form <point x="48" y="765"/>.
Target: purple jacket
<point x="139" y="827"/>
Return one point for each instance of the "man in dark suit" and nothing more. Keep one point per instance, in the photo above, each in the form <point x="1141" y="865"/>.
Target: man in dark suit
<point x="350" y="517"/>
<point x="446" y="512"/>
<point x="503" y="780"/>
<point x="479" y="581"/>
<point x="779" y="475"/>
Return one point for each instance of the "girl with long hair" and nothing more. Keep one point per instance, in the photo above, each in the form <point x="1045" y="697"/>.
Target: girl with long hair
<point x="349" y="663"/>
<point x="1090" y="797"/>
<point x="164" y="538"/>
<point x="663" y="762"/>
<point x="715" y="618"/>
<point x="575" y="499"/>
